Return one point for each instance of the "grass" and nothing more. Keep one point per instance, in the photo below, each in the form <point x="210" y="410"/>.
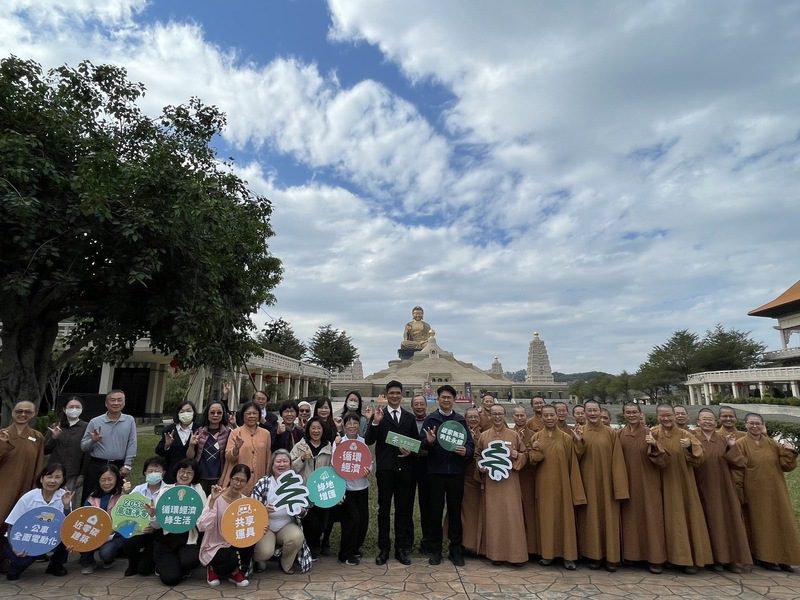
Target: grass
<point x="148" y="442"/>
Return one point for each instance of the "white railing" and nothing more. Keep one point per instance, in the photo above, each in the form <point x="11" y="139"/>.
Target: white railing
<point x="746" y="375"/>
<point x="781" y="354"/>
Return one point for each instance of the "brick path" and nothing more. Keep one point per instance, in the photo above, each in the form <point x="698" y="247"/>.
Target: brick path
<point x="477" y="581"/>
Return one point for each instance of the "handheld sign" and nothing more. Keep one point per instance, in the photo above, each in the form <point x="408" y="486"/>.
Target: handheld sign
<point x="244" y="522"/>
<point x="291" y="493"/>
<point x="496" y="458"/>
<point x="129" y="516"/>
<point x="178" y="509"/>
<point x="37" y="531"/>
<point x="351" y="459"/>
<point x="451" y="435"/>
<point x="401" y="441"/>
<point x="86" y="529"/>
<point x="325" y="487"/>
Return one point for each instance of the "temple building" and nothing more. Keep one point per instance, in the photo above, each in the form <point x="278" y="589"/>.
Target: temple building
<point x="538" y="362"/>
<point x="782" y="375"/>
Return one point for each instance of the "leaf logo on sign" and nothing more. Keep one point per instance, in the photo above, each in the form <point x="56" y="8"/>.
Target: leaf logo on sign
<point x="291" y="493"/>
<point x="496" y="458"/>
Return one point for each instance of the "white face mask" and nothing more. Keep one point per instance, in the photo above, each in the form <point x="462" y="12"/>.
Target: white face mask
<point x="73" y="413"/>
<point x="186" y="417"/>
<point x="352" y="404"/>
<point x="153" y="478"/>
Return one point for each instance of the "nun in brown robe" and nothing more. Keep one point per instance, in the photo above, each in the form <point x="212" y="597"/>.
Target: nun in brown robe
<point x="718" y="494"/>
<point x="558" y="489"/>
<point x="503" y="535"/>
<point x="21" y="456"/>
<point x="605" y="482"/>
<point x="471" y="513"/>
<point x="642" y="515"/>
<point x="771" y="526"/>
<point x="688" y="544"/>
<point x="527" y="485"/>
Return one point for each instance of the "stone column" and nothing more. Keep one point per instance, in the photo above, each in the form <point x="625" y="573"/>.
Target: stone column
<point x="691" y="395"/>
<point x="762" y="388"/>
<point x="106" y="379"/>
<point x="259" y="381"/>
<point x="305" y="388"/>
<point x="735" y="390"/>
<point x="156" y="390"/>
<point x="795" y="389"/>
<point x="287" y="387"/>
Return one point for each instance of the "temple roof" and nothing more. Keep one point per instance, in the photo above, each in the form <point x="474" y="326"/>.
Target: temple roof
<point x="787" y="302"/>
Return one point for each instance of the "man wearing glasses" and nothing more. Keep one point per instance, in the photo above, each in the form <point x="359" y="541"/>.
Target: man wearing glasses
<point x="21" y="452"/>
<point x="109" y="439"/>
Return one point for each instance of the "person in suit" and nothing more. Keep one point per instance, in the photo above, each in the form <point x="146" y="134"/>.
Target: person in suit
<point x="394" y="472"/>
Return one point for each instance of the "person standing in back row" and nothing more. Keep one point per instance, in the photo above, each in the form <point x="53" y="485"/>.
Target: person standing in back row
<point x="109" y="439"/>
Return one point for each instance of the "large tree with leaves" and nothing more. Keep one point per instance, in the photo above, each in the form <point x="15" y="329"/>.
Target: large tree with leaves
<point x="331" y="348"/>
<point x="278" y="336"/>
<point x="128" y="225"/>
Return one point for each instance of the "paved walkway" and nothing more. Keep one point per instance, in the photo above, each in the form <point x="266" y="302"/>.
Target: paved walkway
<point x="478" y="580"/>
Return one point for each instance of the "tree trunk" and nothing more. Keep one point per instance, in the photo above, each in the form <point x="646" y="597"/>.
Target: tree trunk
<point x="25" y="357"/>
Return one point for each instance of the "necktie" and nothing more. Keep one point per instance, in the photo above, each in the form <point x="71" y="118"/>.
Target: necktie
<point x="396" y="416"/>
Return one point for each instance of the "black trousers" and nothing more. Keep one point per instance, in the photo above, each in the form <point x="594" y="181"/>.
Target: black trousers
<point x="446" y="490"/>
<point x="423" y="502"/>
<point x="173" y="559"/>
<point x="355" y="522"/>
<point x="397" y="484"/>
<point x="139" y="550"/>
<point x="228" y="559"/>
<point x="314" y="524"/>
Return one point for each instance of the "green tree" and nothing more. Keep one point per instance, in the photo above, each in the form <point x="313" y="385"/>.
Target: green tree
<point x="127" y="225"/>
<point x="331" y="348"/>
<point x="728" y="349"/>
<point x="278" y="336"/>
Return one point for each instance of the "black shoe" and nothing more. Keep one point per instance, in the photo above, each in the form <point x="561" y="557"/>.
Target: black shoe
<point x="12" y="576"/>
<point x="787" y="568"/>
<point x="593" y="564"/>
<point x="131" y="571"/>
<point x="381" y="558"/>
<point x="456" y="558"/>
<point x="55" y="569"/>
<point x="435" y="559"/>
<point x="402" y="557"/>
<point x="326" y="550"/>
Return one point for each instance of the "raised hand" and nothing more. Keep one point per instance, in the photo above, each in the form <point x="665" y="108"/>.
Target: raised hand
<point x="281" y="428"/>
<point x="126" y="486"/>
<point x="378" y="417"/>
<point x="731" y="440"/>
<point x="430" y="435"/>
<point x="167" y="441"/>
<point x="649" y="439"/>
<point x="226" y="389"/>
<point x="96" y="435"/>
<point x="216" y="492"/>
<point x="66" y="499"/>
<point x="369" y="412"/>
<point x="193" y="439"/>
<point x="55" y="431"/>
<point x="238" y="442"/>
<point x="536" y="445"/>
<point x="3" y="435"/>
<point x="685" y="442"/>
<point x="577" y="433"/>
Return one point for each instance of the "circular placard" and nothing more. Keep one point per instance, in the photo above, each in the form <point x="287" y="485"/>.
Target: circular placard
<point x="451" y="435"/>
<point x="244" y="522"/>
<point x="178" y="509"/>
<point x="351" y="459"/>
<point x="325" y="487"/>
<point x="86" y="529"/>
<point x="129" y="516"/>
<point x="37" y="531"/>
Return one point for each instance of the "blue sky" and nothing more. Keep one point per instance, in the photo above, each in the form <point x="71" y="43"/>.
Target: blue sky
<point x="602" y="174"/>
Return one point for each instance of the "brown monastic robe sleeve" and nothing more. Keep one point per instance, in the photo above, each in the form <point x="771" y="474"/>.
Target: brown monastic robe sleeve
<point x="619" y="473"/>
<point x="694" y="454"/>
<point x="787" y="458"/>
<point x="522" y="455"/>
<point x="575" y="479"/>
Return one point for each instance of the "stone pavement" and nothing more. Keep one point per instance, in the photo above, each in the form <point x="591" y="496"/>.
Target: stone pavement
<point x="478" y="580"/>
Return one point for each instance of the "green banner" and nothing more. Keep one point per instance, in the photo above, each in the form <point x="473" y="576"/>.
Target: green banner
<point x="451" y="435"/>
<point x="402" y="441"/>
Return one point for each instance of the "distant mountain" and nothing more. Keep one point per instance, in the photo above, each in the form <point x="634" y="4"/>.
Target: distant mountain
<point x="573" y="377"/>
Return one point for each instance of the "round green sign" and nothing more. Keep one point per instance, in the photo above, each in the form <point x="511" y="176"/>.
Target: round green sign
<point x="325" y="487"/>
<point x="129" y="516"/>
<point x="178" y="509"/>
<point x="451" y="435"/>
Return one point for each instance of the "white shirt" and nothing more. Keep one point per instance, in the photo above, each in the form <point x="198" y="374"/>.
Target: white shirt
<point x="35" y="499"/>
<point x="144" y="490"/>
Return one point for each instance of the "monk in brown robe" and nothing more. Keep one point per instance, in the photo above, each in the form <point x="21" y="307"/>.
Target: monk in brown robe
<point x="719" y="497"/>
<point x="642" y="515"/>
<point x="535" y="423"/>
<point x="688" y="545"/>
<point x="527" y="481"/>
<point x="503" y="536"/>
<point x="682" y="417"/>
<point x="769" y="517"/>
<point x="605" y="417"/>
<point x="579" y="414"/>
<point x="605" y="483"/>
<point x="559" y="489"/>
<point x="487" y="401"/>
<point x="21" y="455"/>
<point x="471" y="514"/>
<point x="562" y="412"/>
<point x="727" y="423"/>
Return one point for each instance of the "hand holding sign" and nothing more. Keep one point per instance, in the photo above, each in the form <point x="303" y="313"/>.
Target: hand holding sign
<point x="452" y="435"/>
<point x="325" y="488"/>
<point x="291" y="493"/>
<point x="36" y="532"/>
<point x="351" y="459"/>
<point x="86" y="529"/>
<point x="244" y="522"/>
<point x="178" y="509"/>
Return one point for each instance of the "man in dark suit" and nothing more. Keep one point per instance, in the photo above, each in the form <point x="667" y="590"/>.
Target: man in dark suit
<point x="394" y="472"/>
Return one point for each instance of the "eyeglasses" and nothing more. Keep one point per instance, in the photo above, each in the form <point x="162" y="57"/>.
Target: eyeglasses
<point x="22" y="411"/>
<point x="238" y="480"/>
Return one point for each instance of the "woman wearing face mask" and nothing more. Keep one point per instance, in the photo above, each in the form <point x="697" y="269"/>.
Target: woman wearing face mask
<point x="354" y="404"/>
<point x="176" y="554"/>
<point x="308" y="455"/>
<point x="139" y="548"/>
<point x="63" y="443"/>
<point x="110" y="487"/>
<point x="218" y="556"/>
<point x="174" y="444"/>
<point x="49" y="492"/>
<point x="207" y="445"/>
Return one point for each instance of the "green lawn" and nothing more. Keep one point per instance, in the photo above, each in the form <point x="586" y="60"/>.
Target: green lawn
<point x="148" y="441"/>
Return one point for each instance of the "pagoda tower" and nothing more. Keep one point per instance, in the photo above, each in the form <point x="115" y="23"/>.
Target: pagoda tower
<point x="538" y="362"/>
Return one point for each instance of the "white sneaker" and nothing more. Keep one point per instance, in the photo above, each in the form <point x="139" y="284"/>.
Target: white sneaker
<point x="87" y="570"/>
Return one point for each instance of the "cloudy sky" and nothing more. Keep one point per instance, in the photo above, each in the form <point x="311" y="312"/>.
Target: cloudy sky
<point x="604" y="173"/>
